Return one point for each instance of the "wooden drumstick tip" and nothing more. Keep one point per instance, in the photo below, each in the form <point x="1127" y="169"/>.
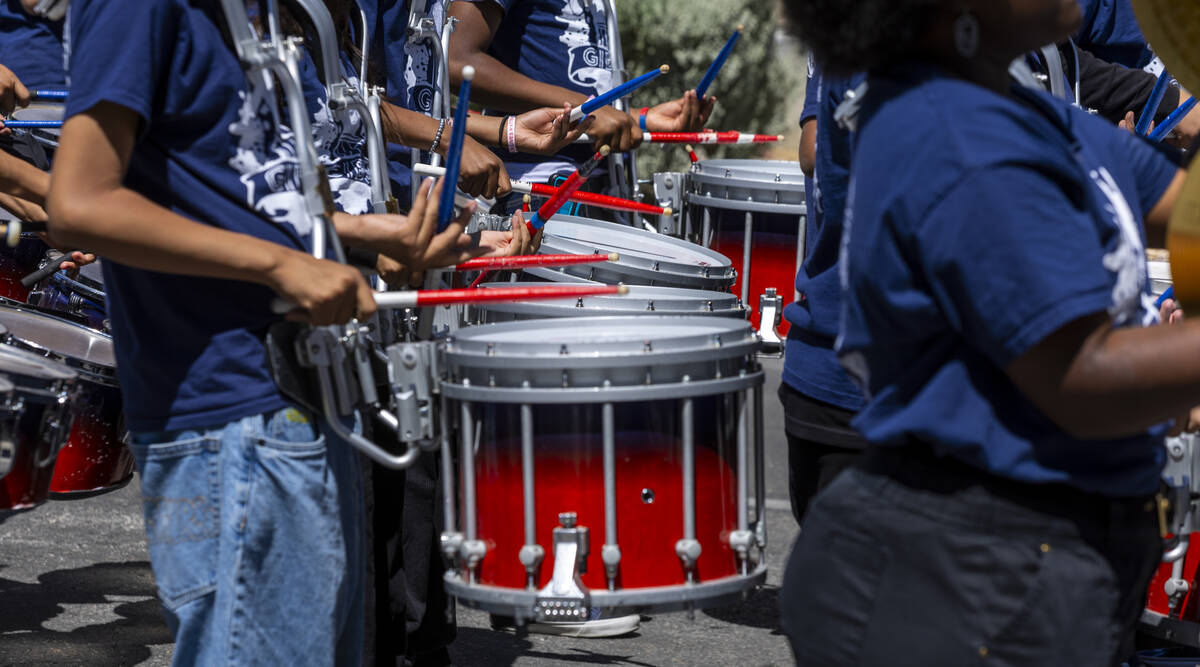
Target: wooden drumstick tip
<point x="468" y="73"/>
<point x="779" y="136"/>
<point x="613" y="257"/>
<point x="664" y="69"/>
<point x="526" y="199"/>
<point x="622" y="290"/>
<point x="605" y="150"/>
<point x="668" y="211"/>
<point x="688" y="148"/>
<point x="741" y="27"/>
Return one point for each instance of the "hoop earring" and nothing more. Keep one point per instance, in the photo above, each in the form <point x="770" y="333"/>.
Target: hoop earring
<point x="966" y="34"/>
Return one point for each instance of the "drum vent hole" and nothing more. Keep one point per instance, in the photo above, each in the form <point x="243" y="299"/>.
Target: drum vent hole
<point x="648" y="496"/>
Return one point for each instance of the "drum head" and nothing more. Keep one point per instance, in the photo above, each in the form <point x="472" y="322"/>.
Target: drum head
<point x="73" y="343"/>
<point x="641" y="300"/>
<point x="42" y="111"/>
<point x="765" y="186"/>
<point x="646" y="258"/>
<point x="572" y="357"/>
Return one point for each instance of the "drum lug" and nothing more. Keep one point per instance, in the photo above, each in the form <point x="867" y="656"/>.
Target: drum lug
<point x="451" y="545"/>
<point x="760" y="534"/>
<point x="688" y="552"/>
<point x="55" y="428"/>
<point x="13" y="408"/>
<point x="610" y="554"/>
<point x="668" y="192"/>
<point x="531" y="556"/>
<point x="770" y="310"/>
<point x="565" y="598"/>
<point x="741" y="541"/>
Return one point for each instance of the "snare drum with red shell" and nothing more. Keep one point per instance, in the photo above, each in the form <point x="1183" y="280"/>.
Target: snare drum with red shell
<point x="35" y="418"/>
<point x="754" y="212"/>
<point x="604" y="463"/>
<point x="96" y="459"/>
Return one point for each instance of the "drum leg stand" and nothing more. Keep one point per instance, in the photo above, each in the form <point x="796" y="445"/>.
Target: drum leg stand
<point x="770" y="310"/>
<point x="565" y="598"/>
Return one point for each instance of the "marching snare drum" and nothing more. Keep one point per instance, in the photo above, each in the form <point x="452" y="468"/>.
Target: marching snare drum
<point x="96" y="459"/>
<point x="646" y="258"/>
<point x="18" y="262"/>
<point x="618" y="451"/>
<point x="752" y="211"/>
<point x="81" y="297"/>
<point x="36" y="398"/>
<point x="641" y="300"/>
<point x="1172" y="609"/>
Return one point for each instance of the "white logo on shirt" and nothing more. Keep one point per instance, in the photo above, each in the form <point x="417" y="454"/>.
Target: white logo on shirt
<point x="1127" y="261"/>
<point x="341" y="140"/>
<point x="265" y="159"/>
<point x="589" y="63"/>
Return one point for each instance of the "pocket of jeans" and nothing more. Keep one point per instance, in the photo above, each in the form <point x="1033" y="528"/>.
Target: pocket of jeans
<point x="291" y="433"/>
<point x="181" y="507"/>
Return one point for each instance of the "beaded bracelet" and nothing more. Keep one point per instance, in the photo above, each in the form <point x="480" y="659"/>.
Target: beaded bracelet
<point x="437" y="138"/>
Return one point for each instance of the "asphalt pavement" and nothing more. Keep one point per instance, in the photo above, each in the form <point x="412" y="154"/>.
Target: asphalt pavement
<point x="76" y="589"/>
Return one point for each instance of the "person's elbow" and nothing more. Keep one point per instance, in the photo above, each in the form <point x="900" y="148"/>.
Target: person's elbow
<point x="69" y="212"/>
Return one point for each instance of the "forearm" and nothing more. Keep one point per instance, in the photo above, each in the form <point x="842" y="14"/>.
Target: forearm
<point x="1113" y="90"/>
<point x="22" y="208"/>
<point x="127" y="228"/>
<point x="498" y="87"/>
<point x="412" y="129"/>
<point x="21" y="179"/>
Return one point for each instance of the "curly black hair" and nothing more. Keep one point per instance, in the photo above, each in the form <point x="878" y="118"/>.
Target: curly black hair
<point x="849" y="36"/>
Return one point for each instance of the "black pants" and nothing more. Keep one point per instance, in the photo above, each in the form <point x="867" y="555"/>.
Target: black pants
<point x="414" y="617"/>
<point x="821" y="444"/>
<point x="910" y="560"/>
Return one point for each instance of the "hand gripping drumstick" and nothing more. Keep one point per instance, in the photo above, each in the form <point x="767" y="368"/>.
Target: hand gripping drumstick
<point x="526" y="261"/>
<point x="1156" y="97"/>
<point x="543" y="190"/>
<point x="41" y="95"/>
<point x="604" y="99"/>
<point x="454" y="151"/>
<point x="715" y="67"/>
<point x="564" y="192"/>
<point x="1173" y="121"/>
<point x="445" y="297"/>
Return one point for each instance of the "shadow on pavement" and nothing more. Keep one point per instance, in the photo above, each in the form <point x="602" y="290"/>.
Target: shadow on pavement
<point x="115" y="629"/>
<point x="759" y="610"/>
<point x="499" y="648"/>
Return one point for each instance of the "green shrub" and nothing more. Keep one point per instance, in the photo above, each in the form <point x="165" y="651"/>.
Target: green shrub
<point x="756" y="90"/>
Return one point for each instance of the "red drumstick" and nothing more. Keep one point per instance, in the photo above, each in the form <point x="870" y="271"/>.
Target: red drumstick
<point x="525" y="261"/>
<point x="601" y="201"/>
<point x="418" y="298"/>
<point x="709" y="138"/>
<point x="564" y="191"/>
<point x="691" y="154"/>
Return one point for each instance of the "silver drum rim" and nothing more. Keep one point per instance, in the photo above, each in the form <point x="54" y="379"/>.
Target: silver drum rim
<point x="757" y="186"/>
<point x="94" y="357"/>
<point x="642" y="300"/>
<point x="676" y="263"/>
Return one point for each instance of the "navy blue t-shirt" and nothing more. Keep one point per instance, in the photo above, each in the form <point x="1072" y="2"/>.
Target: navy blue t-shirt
<point x="31" y="47"/>
<point x="211" y="147"/>
<point x="1111" y="32"/>
<point x="340" y="139"/>
<point x="811" y="365"/>
<point x="564" y="43"/>
<point x="980" y="225"/>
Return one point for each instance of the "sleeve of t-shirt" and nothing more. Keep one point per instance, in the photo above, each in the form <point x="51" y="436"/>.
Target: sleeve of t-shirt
<point x="106" y="67"/>
<point x="812" y="94"/>
<point x="1007" y="271"/>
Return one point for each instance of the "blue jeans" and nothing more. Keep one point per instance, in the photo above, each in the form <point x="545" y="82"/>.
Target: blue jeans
<point x="256" y="541"/>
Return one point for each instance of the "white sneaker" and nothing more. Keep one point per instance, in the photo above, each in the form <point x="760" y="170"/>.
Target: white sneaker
<point x="596" y="627"/>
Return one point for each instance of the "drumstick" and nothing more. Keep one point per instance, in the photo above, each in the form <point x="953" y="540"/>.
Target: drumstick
<point x="49" y="94"/>
<point x="454" y="151"/>
<point x="52" y="267"/>
<point x="1173" y="121"/>
<point x="709" y="138"/>
<point x="445" y="297"/>
<point x="12" y="232"/>
<point x="1156" y="97"/>
<point x="715" y="67"/>
<point x="526" y="261"/>
<point x="691" y="154"/>
<point x="32" y="124"/>
<point x="564" y="192"/>
<point x="604" y="99"/>
<point x="543" y="190"/>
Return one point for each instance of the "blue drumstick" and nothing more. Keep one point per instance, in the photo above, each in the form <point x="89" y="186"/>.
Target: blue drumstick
<point x="49" y="94"/>
<point x="617" y="93"/>
<point x="32" y="124"/>
<point x="715" y="67"/>
<point x="454" y="151"/>
<point x="1173" y="121"/>
<point x="1156" y="97"/>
